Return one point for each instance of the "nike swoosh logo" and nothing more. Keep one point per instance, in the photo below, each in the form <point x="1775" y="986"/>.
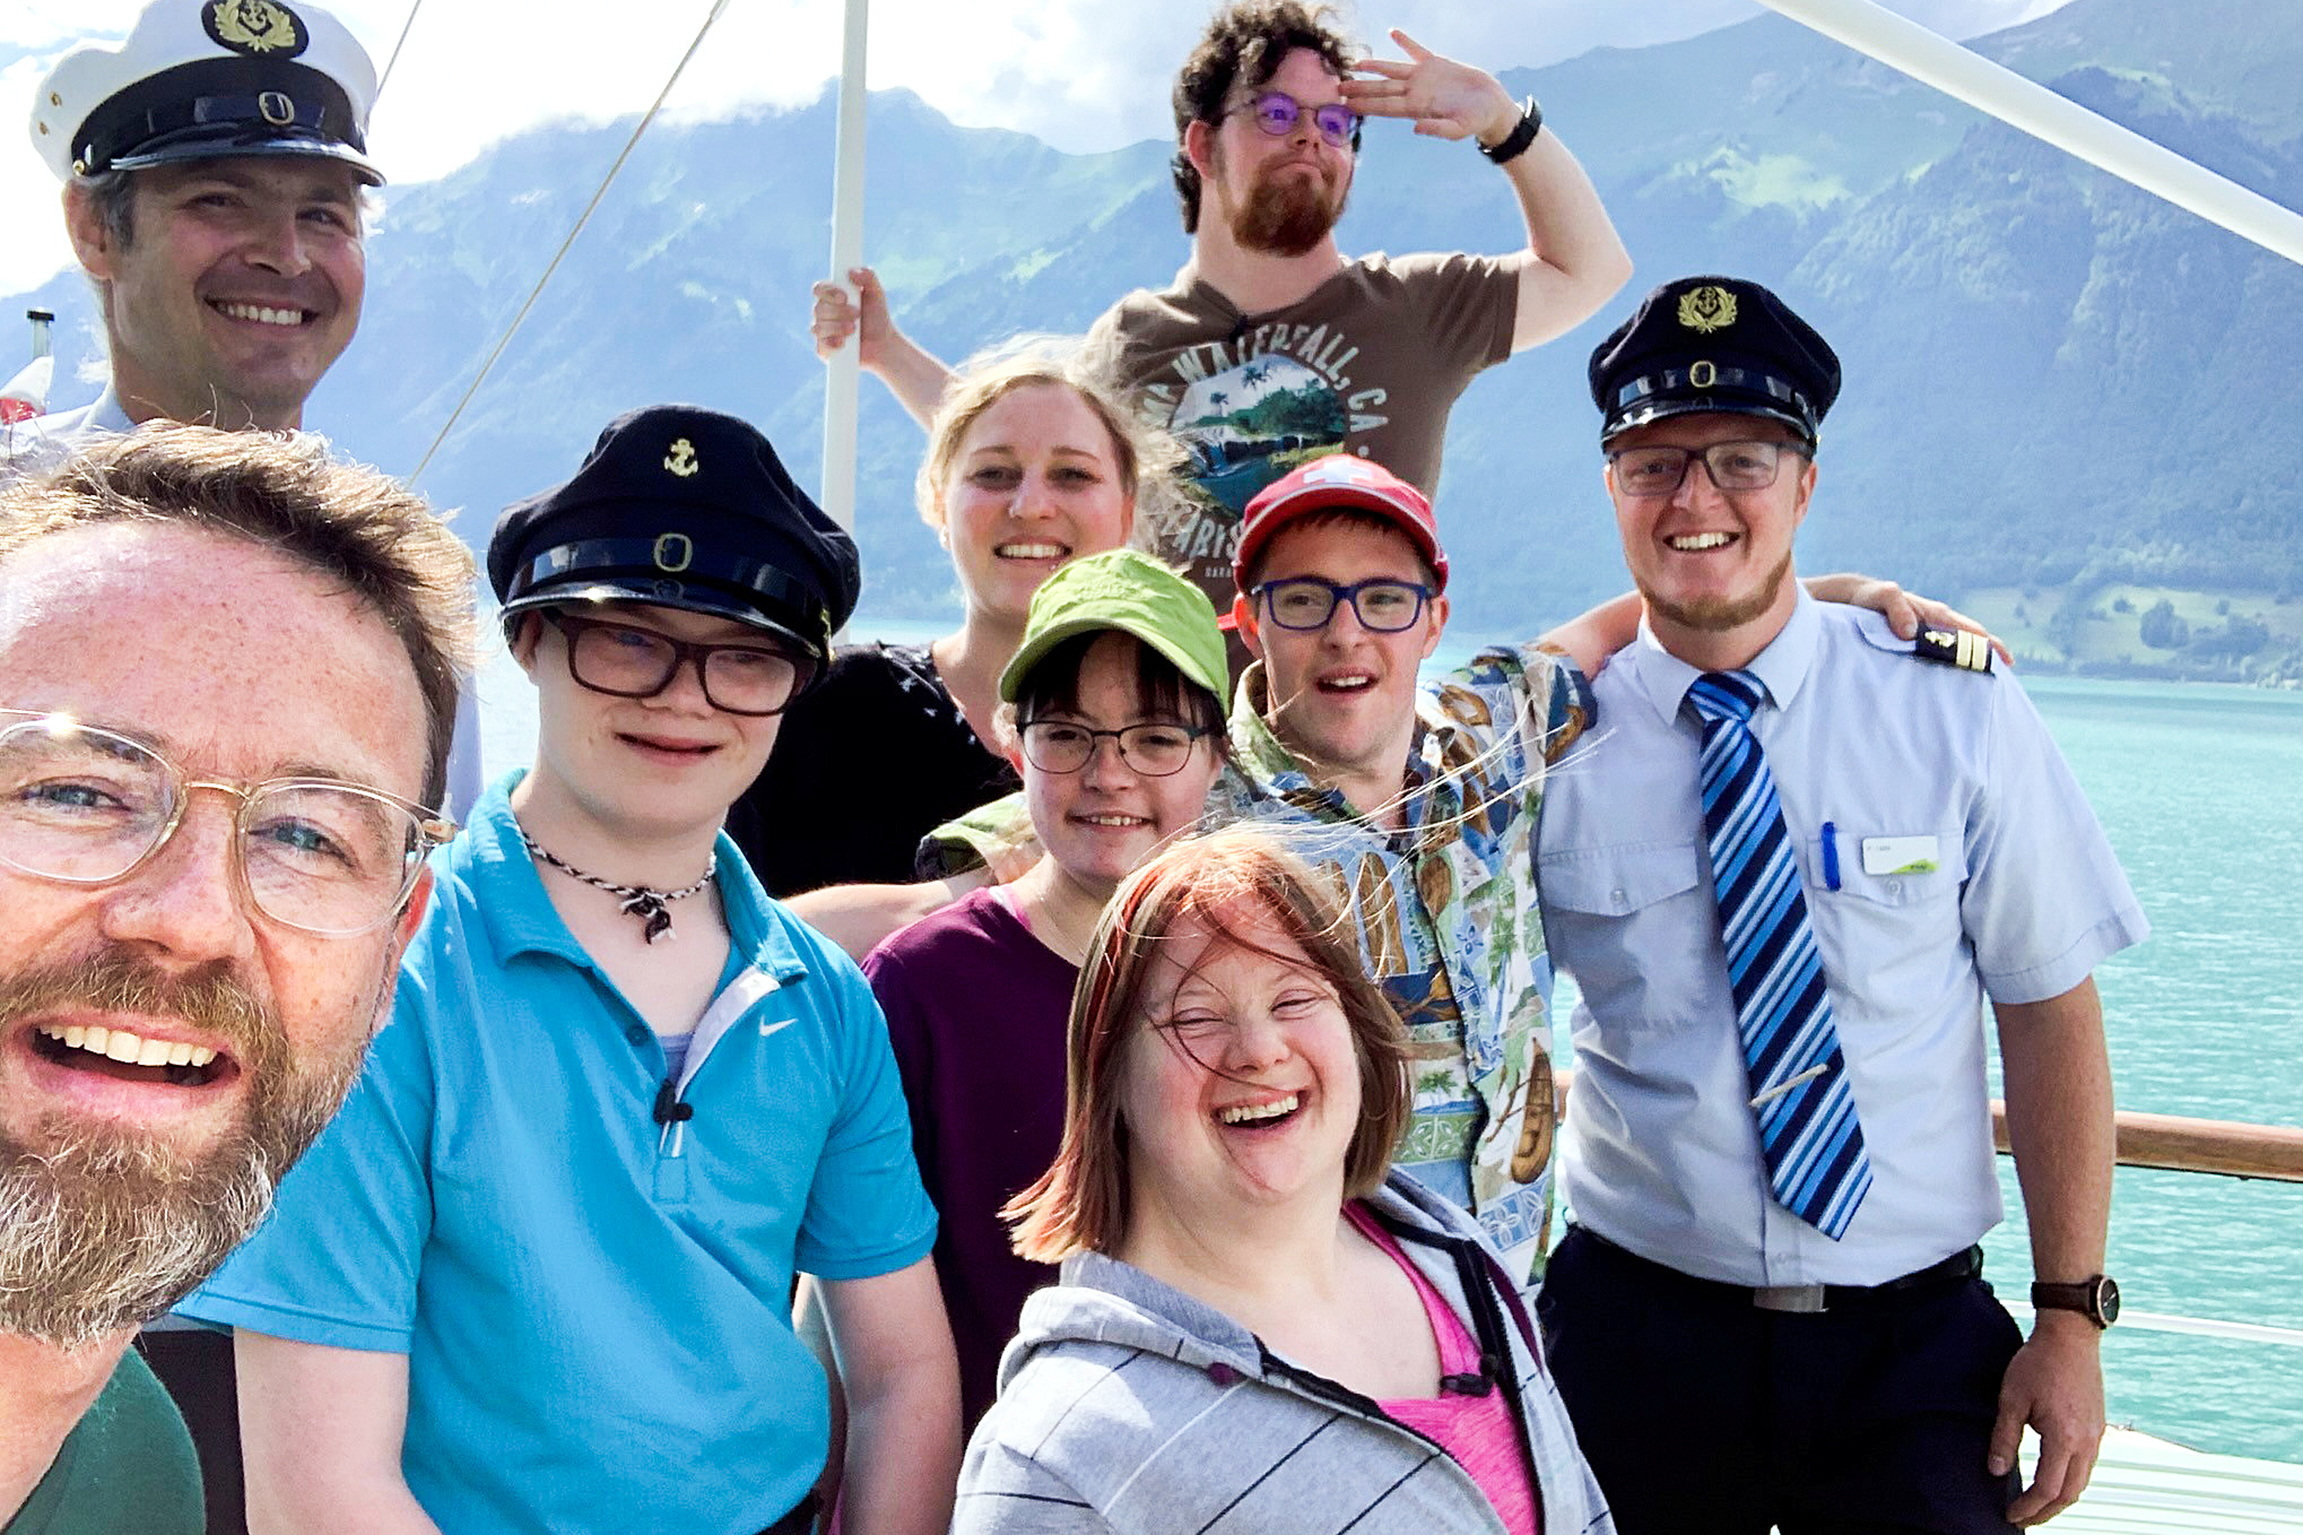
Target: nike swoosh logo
<point x="769" y="1028"/>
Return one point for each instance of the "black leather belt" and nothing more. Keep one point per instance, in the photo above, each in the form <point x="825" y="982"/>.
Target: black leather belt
<point x="1806" y="1299"/>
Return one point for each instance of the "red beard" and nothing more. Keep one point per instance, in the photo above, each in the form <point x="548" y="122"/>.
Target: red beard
<point x="1287" y="215"/>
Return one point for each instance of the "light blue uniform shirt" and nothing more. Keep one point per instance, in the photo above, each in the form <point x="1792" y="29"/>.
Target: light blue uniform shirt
<point x="595" y="1308"/>
<point x="1660" y="1152"/>
<point x="30" y="446"/>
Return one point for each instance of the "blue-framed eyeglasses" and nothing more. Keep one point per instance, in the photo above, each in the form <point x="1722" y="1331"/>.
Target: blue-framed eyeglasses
<point x="1383" y="604"/>
<point x="1277" y="113"/>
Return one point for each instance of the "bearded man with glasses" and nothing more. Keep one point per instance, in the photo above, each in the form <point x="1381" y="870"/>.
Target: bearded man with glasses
<point x="230" y="673"/>
<point x="1272" y="347"/>
<point x="539" y="1274"/>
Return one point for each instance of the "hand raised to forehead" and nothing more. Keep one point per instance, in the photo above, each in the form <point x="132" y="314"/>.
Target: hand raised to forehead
<point x="1445" y="98"/>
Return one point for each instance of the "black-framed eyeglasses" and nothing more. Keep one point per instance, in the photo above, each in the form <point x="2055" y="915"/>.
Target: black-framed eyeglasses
<point x="1384" y="605"/>
<point x="82" y="805"/>
<point x="626" y="661"/>
<point x="1660" y="470"/>
<point x="1277" y="113"/>
<point x="1155" y="748"/>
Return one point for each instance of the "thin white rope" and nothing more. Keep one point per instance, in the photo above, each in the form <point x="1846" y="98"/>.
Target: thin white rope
<point x="386" y="77"/>
<point x="582" y="219"/>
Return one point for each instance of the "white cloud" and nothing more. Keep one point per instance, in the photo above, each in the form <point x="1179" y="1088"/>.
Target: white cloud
<point x="1081" y="74"/>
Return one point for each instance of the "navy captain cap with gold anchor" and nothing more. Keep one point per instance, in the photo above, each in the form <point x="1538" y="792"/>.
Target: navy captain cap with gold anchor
<point x="1713" y="344"/>
<point x="684" y="508"/>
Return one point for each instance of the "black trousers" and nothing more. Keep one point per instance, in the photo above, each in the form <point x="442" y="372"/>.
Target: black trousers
<point x="1702" y="1414"/>
<point x="196" y="1367"/>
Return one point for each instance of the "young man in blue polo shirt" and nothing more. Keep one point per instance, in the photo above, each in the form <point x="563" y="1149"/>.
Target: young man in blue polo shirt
<point x="537" y="1278"/>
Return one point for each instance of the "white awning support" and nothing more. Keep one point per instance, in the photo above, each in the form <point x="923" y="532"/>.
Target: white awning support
<point x="1906" y="46"/>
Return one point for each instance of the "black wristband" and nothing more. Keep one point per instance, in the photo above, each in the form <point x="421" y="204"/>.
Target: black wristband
<point x="1515" y="142"/>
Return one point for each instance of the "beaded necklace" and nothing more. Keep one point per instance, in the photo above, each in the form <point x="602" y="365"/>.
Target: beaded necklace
<point x="639" y="901"/>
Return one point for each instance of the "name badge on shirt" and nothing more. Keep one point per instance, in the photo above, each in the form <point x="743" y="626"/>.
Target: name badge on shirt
<point x="1899" y="855"/>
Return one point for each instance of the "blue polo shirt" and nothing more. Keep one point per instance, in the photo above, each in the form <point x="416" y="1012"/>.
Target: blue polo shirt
<point x="595" y="1308"/>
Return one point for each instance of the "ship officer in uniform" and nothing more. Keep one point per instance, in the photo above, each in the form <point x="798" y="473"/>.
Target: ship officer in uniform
<point x="213" y="165"/>
<point x="1787" y="880"/>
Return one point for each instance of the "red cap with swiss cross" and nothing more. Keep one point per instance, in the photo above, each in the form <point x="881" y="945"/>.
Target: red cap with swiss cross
<point x="1331" y="483"/>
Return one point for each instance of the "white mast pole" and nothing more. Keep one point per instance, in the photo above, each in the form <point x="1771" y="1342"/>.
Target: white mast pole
<point x="1878" y="33"/>
<point x="843" y="376"/>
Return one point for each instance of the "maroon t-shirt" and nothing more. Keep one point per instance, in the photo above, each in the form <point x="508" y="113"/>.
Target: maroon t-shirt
<point x="977" y="1009"/>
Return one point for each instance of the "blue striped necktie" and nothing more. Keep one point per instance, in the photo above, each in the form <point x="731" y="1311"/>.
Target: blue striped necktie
<point x="1816" y="1163"/>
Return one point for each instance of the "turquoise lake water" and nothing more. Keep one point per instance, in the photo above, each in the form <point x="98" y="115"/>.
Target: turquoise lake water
<point x="2201" y="790"/>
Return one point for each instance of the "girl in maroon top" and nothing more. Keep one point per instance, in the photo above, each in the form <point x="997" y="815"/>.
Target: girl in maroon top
<point x="1114" y="711"/>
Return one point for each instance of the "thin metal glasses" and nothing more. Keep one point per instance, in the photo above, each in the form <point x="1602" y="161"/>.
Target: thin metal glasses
<point x="1659" y="470"/>
<point x="87" y="806"/>
<point x="626" y="661"/>
<point x="1384" y="605"/>
<point x="1277" y="113"/>
<point x="1154" y="749"/>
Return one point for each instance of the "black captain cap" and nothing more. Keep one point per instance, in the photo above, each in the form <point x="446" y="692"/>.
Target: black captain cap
<point x="684" y="508"/>
<point x="1713" y="344"/>
<point x="205" y="79"/>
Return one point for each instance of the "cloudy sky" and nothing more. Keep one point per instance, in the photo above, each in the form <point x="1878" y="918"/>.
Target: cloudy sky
<point x="1081" y="74"/>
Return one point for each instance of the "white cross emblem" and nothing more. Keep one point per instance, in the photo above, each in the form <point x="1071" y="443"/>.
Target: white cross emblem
<point x="1339" y="469"/>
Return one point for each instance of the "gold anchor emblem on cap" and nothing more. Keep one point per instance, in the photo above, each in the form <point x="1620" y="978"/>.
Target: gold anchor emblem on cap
<point x="681" y="460"/>
<point x="1707" y="308"/>
<point x="254" y="26"/>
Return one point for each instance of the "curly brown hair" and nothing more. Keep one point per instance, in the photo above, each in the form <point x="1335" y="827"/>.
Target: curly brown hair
<point x="1245" y="43"/>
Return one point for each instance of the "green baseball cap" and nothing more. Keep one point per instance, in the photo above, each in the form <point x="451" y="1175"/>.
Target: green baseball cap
<point x="1135" y="594"/>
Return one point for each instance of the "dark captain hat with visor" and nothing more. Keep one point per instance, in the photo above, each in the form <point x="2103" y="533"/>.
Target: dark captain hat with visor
<point x="1718" y="345"/>
<point x="684" y="508"/>
<point x="206" y="79"/>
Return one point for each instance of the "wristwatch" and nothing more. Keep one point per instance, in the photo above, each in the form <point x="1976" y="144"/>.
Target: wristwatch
<point x="1514" y="144"/>
<point x="2096" y="1298"/>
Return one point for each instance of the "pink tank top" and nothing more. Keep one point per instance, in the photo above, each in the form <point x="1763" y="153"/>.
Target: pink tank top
<point x="1479" y="1432"/>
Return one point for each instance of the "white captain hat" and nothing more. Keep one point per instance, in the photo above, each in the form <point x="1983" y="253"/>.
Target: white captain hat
<point x="199" y="79"/>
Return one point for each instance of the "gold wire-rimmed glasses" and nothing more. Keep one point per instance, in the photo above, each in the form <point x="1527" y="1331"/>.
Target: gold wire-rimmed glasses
<point x="83" y="805"/>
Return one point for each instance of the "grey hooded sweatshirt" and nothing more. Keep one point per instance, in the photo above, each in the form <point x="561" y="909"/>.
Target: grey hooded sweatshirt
<point x="1127" y="1406"/>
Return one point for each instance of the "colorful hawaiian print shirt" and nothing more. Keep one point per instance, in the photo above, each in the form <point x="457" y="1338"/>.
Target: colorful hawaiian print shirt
<point x="1447" y="917"/>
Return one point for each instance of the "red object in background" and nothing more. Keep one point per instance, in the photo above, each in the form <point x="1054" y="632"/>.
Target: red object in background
<point x="26" y="395"/>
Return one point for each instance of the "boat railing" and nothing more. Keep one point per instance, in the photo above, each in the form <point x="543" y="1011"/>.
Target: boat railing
<point x="2227" y="1148"/>
<point x="2224" y="1148"/>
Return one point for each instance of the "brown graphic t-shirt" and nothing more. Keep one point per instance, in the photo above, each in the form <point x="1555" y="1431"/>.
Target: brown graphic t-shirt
<point x="1370" y="364"/>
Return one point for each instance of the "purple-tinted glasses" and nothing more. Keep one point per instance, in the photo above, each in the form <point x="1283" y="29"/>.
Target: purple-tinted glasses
<point x="1276" y="113"/>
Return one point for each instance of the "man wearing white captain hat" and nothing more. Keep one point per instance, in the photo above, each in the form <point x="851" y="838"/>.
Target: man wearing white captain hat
<point x="212" y="167"/>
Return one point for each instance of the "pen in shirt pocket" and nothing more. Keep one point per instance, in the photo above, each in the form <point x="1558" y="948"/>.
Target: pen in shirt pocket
<point x="1830" y="856"/>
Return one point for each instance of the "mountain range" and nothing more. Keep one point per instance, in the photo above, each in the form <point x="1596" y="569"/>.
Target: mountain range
<point x="2054" y="381"/>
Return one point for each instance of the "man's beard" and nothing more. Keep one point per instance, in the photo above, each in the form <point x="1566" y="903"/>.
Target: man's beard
<point x="1286" y="215"/>
<point x="1716" y="615"/>
<point x="103" y="1227"/>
